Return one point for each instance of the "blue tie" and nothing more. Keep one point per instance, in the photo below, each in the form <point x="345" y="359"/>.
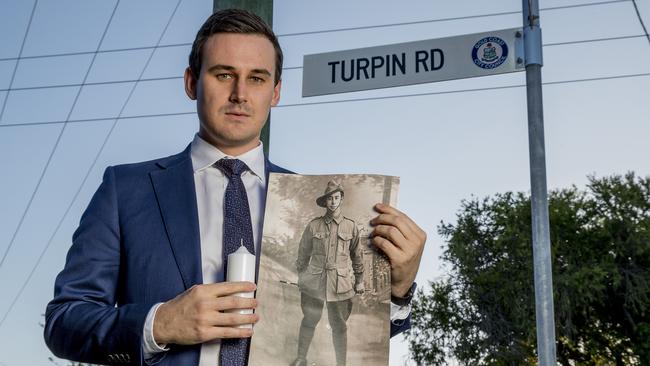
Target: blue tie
<point x="236" y="227"/>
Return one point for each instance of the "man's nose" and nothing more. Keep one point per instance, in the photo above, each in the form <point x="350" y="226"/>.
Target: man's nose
<point x="238" y="94"/>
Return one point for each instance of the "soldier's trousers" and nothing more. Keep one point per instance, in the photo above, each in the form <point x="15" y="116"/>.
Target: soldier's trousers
<point x="338" y="313"/>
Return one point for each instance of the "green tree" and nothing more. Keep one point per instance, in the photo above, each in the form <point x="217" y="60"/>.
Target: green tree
<point x="483" y="312"/>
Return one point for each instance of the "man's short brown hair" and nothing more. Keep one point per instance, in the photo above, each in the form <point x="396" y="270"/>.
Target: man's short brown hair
<point x="233" y="21"/>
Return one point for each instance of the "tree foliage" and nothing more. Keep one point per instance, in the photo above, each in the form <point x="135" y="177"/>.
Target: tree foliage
<point x="483" y="313"/>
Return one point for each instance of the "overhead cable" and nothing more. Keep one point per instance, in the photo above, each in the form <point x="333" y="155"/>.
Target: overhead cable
<point x="287" y="68"/>
<point x="514" y="12"/>
<point x="92" y="84"/>
<point x="464" y="90"/>
<point x="638" y="15"/>
<point x="20" y="52"/>
<point x="56" y="143"/>
<point x="81" y="53"/>
<point x="96" y="158"/>
<point x="90" y="120"/>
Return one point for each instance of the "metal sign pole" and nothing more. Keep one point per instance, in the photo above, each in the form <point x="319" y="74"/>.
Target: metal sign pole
<point x="539" y="200"/>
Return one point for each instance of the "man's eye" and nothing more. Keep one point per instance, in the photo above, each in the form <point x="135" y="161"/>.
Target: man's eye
<point x="224" y="76"/>
<point x="256" y="79"/>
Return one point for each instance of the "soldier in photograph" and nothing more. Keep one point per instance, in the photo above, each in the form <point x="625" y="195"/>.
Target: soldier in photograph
<point x="330" y="272"/>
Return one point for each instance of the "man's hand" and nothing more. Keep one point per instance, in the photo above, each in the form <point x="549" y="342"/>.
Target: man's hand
<point x="198" y="314"/>
<point x="359" y="288"/>
<point x="402" y="241"/>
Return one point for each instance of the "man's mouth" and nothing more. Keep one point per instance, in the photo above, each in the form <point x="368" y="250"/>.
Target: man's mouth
<point x="237" y="114"/>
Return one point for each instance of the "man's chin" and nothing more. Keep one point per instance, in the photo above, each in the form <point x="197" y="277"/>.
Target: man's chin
<point x="231" y="141"/>
<point x="232" y="134"/>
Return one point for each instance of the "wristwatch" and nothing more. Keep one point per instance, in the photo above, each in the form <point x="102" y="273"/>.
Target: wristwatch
<point x="403" y="301"/>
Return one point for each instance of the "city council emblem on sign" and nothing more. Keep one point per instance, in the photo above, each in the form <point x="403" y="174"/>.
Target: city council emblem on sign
<point x="490" y="52"/>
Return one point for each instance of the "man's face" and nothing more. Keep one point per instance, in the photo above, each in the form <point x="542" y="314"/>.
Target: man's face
<point x="334" y="201"/>
<point x="235" y="90"/>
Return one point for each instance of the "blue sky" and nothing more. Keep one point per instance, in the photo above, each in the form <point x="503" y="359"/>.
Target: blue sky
<point x="446" y="143"/>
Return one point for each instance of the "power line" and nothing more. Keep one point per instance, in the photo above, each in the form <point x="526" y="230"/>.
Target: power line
<point x="636" y="8"/>
<point x="20" y="52"/>
<point x="601" y="78"/>
<point x="594" y="40"/>
<point x="465" y="90"/>
<point x="98" y="119"/>
<point x="115" y="81"/>
<point x="158" y="115"/>
<point x="92" y="84"/>
<point x="583" y="5"/>
<point x="110" y="82"/>
<point x="56" y="143"/>
<point x="288" y="68"/>
<point x="514" y="12"/>
<point x="401" y="23"/>
<point x="93" y="52"/>
<point x="101" y="149"/>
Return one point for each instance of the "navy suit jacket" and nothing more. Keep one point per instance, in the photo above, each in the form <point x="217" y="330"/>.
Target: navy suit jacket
<point x="137" y="244"/>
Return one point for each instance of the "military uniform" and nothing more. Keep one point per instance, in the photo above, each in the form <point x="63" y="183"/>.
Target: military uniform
<point x="330" y="260"/>
<point x="330" y="271"/>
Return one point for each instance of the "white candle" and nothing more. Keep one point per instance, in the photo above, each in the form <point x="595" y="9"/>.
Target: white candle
<point x="241" y="267"/>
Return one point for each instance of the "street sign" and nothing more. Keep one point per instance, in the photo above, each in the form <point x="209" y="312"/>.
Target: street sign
<point x="417" y="62"/>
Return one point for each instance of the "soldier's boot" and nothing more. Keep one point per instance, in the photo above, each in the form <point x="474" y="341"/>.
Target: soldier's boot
<point x="299" y="362"/>
<point x="304" y="340"/>
<point x="340" y="339"/>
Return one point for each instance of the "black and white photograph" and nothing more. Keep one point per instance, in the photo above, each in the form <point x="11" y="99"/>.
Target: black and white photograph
<point x="323" y="289"/>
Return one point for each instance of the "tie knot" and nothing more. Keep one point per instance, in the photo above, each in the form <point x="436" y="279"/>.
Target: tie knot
<point x="231" y="167"/>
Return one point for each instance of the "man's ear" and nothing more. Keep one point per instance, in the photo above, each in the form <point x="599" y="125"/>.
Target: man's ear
<point x="190" y="83"/>
<point x="276" y="93"/>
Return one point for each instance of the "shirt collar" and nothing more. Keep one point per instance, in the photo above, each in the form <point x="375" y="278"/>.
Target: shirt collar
<point x="204" y="155"/>
<point x="336" y="216"/>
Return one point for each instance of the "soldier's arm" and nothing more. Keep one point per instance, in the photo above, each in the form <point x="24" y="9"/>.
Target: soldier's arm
<point x="356" y="254"/>
<point x="304" y="249"/>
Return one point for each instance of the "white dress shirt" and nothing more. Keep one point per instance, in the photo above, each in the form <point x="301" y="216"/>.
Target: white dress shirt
<point x="210" y="184"/>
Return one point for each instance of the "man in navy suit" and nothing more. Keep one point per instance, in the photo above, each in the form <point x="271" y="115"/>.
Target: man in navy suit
<point x="143" y="281"/>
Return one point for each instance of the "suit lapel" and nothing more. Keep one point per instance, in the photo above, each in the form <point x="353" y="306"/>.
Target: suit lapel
<point x="175" y="192"/>
<point x="176" y="195"/>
